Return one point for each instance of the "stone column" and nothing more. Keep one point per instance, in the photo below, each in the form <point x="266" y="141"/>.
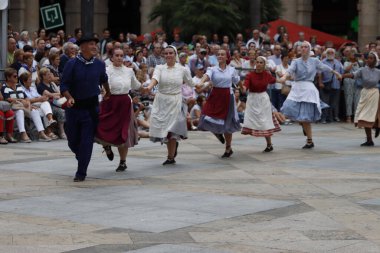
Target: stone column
<point x="304" y="9"/>
<point x="100" y="16"/>
<point x="32" y="15"/>
<point x="73" y="19"/>
<point x="145" y="9"/>
<point x="16" y="14"/>
<point x="368" y="21"/>
<point x="290" y="10"/>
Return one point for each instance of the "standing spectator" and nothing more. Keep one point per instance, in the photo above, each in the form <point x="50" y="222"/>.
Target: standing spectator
<point x="199" y="60"/>
<point x="148" y="42"/>
<point x="104" y="41"/>
<point x="40" y="47"/>
<point x="178" y="43"/>
<point x="330" y="87"/>
<point x="68" y="53"/>
<point x="278" y="37"/>
<point x="276" y="57"/>
<point x="138" y="59"/>
<point x="155" y="58"/>
<point x="215" y="39"/>
<point x="212" y="59"/>
<point x="256" y="38"/>
<point x="278" y="97"/>
<point x="236" y="61"/>
<point x="82" y="91"/>
<point x="350" y="85"/>
<point x="41" y="33"/>
<point x="77" y="35"/>
<point x="24" y="40"/>
<point x="301" y="39"/>
<point x="12" y="46"/>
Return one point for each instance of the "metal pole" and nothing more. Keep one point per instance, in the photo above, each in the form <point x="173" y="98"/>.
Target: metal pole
<point x="255" y="13"/>
<point x="87" y="19"/>
<point x="4" y="42"/>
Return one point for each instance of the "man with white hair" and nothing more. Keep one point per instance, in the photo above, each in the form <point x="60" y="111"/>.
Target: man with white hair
<point x="68" y="53"/>
<point x="330" y="87"/>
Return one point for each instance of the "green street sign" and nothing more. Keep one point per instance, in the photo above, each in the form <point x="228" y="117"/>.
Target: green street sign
<point x="51" y="16"/>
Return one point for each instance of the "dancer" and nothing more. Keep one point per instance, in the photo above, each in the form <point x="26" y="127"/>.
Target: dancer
<point x="168" y="117"/>
<point x="303" y="103"/>
<point x="116" y="119"/>
<point x="367" y="111"/>
<point x="80" y="85"/>
<point x="219" y="114"/>
<point x="258" y="118"/>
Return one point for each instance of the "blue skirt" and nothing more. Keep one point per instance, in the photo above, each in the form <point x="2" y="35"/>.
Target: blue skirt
<point x="302" y="111"/>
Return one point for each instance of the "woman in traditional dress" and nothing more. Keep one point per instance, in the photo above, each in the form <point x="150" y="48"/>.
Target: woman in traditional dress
<point x="367" y="111"/>
<point x="168" y="116"/>
<point x="303" y="103"/>
<point x="219" y="114"/>
<point x="258" y="118"/>
<point x="116" y="119"/>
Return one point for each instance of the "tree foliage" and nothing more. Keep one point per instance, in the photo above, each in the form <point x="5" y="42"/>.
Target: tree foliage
<point x="211" y="16"/>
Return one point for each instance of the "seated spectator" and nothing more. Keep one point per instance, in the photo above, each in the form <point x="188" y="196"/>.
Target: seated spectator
<point x="195" y="112"/>
<point x="49" y="89"/>
<point x="14" y="94"/>
<point x="141" y="118"/>
<point x="240" y="105"/>
<point x="54" y="60"/>
<point x="17" y="59"/>
<point x="7" y="117"/>
<point x="27" y="66"/>
<point x="41" y="103"/>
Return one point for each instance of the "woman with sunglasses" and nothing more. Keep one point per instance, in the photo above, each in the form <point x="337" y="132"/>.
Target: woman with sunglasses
<point x="116" y="119"/>
<point x="219" y="114"/>
<point x="168" y="117"/>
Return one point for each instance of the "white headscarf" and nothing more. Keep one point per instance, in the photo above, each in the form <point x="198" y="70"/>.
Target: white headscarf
<point x="175" y="51"/>
<point x="376" y="56"/>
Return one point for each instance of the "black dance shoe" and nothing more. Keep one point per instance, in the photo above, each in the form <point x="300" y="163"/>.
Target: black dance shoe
<point x="227" y="154"/>
<point x="367" y="144"/>
<point x="308" y="145"/>
<point x="220" y="137"/>
<point x="377" y="132"/>
<point x="122" y="167"/>
<point x="269" y="148"/>
<point x="176" y="149"/>
<point x="78" y="179"/>
<point x="109" y="152"/>
<point x="169" y="161"/>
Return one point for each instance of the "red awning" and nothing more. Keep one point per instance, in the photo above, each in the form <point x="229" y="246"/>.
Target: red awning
<point x="293" y="29"/>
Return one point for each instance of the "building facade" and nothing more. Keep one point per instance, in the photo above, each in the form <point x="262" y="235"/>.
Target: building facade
<point x="24" y="14"/>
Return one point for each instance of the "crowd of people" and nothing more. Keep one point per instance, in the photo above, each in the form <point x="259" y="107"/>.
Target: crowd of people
<point x="156" y="88"/>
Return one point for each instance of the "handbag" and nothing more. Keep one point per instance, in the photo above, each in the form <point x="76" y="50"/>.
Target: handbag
<point x="5" y="106"/>
<point x="60" y="102"/>
<point x="17" y="105"/>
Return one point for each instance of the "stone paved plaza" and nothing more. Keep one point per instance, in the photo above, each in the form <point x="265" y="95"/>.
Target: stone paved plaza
<point x="291" y="200"/>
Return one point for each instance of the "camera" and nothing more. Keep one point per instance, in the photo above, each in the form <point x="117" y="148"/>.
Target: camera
<point x="145" y="103"/>
<point x="358" y="55"/>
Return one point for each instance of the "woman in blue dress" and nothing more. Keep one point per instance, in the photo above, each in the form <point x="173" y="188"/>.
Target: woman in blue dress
<point x="303" y="103"/>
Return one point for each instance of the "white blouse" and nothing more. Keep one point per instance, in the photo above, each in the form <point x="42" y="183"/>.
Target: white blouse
<point x="121" y="80"/>
<point x="170" y="79"/>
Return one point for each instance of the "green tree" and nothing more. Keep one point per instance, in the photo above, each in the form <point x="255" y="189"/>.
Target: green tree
<point x="211" y="16"/>
<point x="198" y="16"/>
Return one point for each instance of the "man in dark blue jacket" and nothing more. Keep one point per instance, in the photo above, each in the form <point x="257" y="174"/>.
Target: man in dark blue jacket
<point x="80" y="84"/>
